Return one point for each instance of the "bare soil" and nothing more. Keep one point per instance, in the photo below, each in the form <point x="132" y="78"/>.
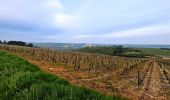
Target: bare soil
<point x="111" y="83"/>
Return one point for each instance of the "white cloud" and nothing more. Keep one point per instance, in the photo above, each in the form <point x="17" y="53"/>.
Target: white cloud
<point x="65" y="21"/>
<point x="55" y="4"/>
<point x="148" y="31"/>
<point x="82" y="36"/>
<point x="144" y="31"/>
<point x="83" y="19"/>
<point x="33" y="12"/>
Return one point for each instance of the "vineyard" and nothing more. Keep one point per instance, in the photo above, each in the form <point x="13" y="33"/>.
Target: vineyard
<point x="20" y="80"/>
<point x="134" y="78"/>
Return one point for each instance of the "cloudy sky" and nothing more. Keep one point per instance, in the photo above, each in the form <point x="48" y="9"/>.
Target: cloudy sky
<point x="86" y="21"/>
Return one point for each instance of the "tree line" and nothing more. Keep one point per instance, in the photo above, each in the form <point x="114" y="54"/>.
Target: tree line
<point x="19" y="43"/>
<point x="165" y="48"/>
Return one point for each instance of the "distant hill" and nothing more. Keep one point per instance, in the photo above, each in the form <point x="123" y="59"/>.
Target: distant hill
<point x="70" y="46"/>
<point x="67" y="46"/>
<point x="115" y="51"/>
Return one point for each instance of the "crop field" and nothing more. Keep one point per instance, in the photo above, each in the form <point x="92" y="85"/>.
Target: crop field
<point x="133" y="78"/>
<point x="20" y="80"/>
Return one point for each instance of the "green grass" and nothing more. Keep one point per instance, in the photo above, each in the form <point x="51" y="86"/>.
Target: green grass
<point x="97" y="50"/>
<point x="20" y="80"/>
<point x="157" y="52"/>
<point x="108" y="50"/>
<point x="128" y="52"/>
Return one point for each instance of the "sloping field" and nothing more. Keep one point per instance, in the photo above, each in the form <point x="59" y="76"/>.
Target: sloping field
<point x="143" y="79"/>
<point x="20" y="80"/>
<point x="157" y="52"/>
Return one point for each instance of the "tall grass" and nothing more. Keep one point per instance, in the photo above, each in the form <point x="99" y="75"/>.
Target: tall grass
<point x="20" y="80"/>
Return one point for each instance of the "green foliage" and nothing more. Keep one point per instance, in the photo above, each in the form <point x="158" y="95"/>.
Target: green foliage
<point x="157" y="52"/>
<point x="115" y="51"/>
<point x="30" y="45"/>
<point x="20" y="80"/>
<point x="98" y="50"/>
<point x="118" y="51"/>
<point x="19" y="43"/>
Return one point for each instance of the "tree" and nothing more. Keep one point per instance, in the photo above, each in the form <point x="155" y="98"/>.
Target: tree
<point x="20" y="43"/>
<point x="118" y="50"/>
<point x="0" y="42"/>
<point x="4" y="42"/>
<point x="30" y="45"/>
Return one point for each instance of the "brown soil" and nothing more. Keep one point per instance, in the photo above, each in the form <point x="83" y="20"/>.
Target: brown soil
<point x="152" y="89"/>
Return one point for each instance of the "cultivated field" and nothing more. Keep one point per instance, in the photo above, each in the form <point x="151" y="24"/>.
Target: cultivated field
<point x="20" y="80"/>
<point x="143" y="79"/>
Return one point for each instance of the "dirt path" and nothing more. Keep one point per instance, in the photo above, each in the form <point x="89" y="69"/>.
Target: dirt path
<point x="96" y="78"/>
<point x="152" y="87"/>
